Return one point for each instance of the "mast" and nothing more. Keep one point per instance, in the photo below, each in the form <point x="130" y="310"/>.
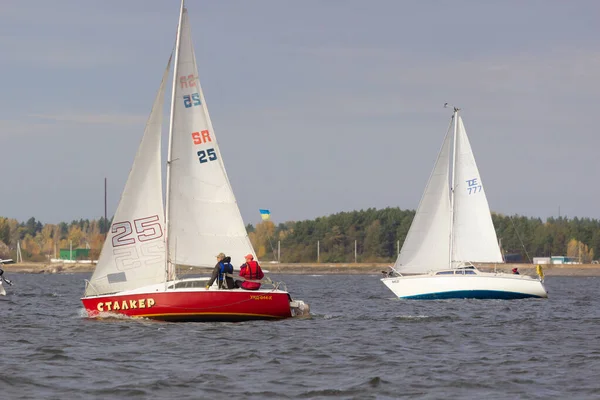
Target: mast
<point x="105" y="228"/>
<point x="168" y="266"/>
<point x="455" y="118"/>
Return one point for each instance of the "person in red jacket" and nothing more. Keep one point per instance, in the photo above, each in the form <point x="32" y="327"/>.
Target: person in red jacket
<point x="250" y="270"/>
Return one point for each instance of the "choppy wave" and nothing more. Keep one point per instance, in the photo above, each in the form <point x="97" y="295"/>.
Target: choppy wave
<point x="360" y="342"/>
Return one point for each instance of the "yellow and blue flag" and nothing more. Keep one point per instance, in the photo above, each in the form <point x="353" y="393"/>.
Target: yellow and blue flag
<point x="265" y="214"/>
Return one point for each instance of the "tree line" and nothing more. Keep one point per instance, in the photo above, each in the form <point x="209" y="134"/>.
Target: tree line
<point x="376" y="234"/>
<point x="40" y="242"/>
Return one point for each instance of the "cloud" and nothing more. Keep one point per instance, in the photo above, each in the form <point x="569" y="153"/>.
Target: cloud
<point x="71" y="35"/>
<point x="93" y="119"/>
<point x="527" y="84"/>
<point x="20" y="128"/>
<point x="61" y="52"/>
<point x="60" y="13"/>
<point x="55" y="124"/>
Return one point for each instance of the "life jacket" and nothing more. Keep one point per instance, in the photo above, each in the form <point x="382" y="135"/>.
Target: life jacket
<point x="226" y="268"/>
<point x="249" y="269"/>
<point x="252" y="271"/>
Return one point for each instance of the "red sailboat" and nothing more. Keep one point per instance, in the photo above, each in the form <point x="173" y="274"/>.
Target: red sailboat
<point x="136" y="272"/>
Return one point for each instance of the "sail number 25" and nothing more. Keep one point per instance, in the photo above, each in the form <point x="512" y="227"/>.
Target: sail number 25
<point x="207" y="155"/>
<point x="146" y="229"/>
<point x="191" y="100"/>
<point x="201" y="138"/>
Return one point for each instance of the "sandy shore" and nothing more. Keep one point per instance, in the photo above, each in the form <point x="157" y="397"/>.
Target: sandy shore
<point x="320" y="268"/>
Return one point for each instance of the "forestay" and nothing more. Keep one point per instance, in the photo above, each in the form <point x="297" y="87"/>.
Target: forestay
<point x="134" y="254"/>
<point x="204" y="218"/>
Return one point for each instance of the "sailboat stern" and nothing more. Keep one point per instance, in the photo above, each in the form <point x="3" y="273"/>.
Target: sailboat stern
<point x="299" y="308"/>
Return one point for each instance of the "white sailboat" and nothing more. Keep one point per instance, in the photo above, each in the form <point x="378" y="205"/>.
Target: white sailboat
<point x="136" y="271"/>
<point x="453" y="228"/>
<point x="2" y="278"/>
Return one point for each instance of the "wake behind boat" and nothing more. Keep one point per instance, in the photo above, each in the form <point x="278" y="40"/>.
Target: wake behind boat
<point x="452" y="228"/>
<point x="136" y="271"/>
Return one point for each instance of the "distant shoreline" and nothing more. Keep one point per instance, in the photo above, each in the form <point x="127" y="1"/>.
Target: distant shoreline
<point x="319" y="268"/>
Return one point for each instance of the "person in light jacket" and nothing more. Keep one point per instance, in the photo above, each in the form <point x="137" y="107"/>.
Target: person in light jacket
<point x="222" y="267"/>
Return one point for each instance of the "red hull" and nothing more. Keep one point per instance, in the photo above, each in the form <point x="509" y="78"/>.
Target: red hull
<point x="210" y="305"/>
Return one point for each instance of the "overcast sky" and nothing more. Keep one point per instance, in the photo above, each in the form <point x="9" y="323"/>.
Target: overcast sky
<point x="318" y="106"/>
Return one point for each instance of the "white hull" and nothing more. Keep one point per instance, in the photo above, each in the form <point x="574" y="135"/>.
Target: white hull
<point x="2" y="290"/>
<point x="477" y="285"/>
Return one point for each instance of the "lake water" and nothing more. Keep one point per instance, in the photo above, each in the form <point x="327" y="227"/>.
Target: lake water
<point x="360" y="343"/>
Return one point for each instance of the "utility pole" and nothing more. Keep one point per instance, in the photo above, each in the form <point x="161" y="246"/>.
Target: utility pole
<point x="19" y="255"/>
<point x="318" y="250"/>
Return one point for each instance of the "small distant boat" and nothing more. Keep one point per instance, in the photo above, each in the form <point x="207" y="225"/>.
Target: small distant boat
<point x="136" y="271"/>
<point x="3" y="280"/>
<point x="453" y="228"/>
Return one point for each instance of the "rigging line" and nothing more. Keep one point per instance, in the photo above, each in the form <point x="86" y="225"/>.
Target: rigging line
<point x="519" y="237"/>
<point x="272" y="248"/>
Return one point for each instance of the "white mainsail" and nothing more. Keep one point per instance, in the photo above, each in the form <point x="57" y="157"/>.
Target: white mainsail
<point x="474" y="234"/>
<point x="203" y="215"/>
<point x="134" y="254"/>
<point x="427" y="244"/>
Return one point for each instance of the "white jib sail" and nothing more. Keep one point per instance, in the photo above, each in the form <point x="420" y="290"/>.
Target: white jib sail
<point x="427" y="244"/>
<point x="134" y="253"/>
<point x="474" y="235"/>
<point x="204" y="218"/>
